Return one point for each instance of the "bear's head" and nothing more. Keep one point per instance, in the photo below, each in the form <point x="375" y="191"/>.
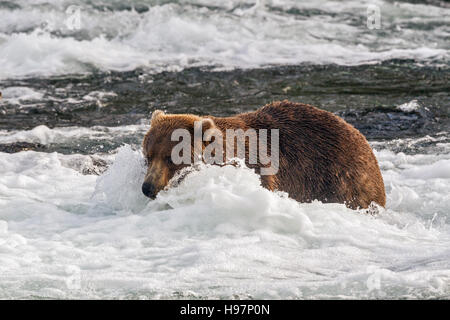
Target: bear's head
<point x="158" y="145"/>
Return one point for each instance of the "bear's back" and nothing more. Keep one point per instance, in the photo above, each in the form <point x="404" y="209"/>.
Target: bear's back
<point x="321" y="156"/>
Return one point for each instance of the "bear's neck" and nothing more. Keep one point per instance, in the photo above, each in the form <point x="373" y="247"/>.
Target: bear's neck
<point x="229" y="123"/>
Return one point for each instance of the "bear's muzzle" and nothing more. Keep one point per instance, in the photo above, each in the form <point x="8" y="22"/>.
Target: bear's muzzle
<point x="149" y="190"/>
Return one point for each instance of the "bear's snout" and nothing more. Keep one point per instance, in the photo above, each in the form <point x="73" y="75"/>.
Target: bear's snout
<point x="149" y="190"/>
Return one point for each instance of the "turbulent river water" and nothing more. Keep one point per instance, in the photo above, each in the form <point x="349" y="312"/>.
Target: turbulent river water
<point x="76" y="101"/>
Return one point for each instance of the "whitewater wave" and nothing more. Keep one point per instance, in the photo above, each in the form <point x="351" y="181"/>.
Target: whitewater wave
<point x="218" y="234"/>
<point x="35" y="39"/>
<point x="63" y="135"/>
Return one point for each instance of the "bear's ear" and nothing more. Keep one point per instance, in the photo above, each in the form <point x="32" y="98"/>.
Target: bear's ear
<point x="156" y="114"/>
<point x="208" y="124"/>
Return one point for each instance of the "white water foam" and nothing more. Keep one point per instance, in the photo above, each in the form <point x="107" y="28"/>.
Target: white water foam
<point x="44" y="135"/>
<point x="35" y="39"/>
<point x="410" y="106"/>
<point x="219" y="234"/>
<point x="17" y="95"/>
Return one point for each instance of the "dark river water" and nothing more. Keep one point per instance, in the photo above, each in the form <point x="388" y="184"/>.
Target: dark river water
<point x="366" y="96"/>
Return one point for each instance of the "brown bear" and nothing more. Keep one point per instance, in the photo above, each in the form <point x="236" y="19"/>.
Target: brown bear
<point x="321" y="157"/>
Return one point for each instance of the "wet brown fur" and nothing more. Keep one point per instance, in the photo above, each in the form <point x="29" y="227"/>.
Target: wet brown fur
<point x="321" y="156"/>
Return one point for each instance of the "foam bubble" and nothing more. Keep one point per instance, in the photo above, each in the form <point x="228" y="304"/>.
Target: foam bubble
<point x="410" y="106"/>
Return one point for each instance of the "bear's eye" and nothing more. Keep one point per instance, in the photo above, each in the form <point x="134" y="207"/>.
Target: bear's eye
<point x="168" y="160"/>
<point x="149" y="159"/>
